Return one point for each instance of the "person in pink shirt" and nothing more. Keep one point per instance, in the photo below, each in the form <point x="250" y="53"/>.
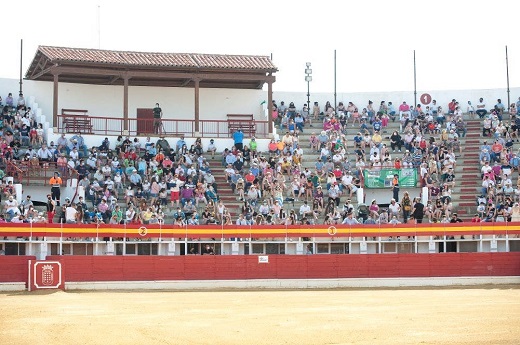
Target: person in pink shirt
<point x="404" y="109"/>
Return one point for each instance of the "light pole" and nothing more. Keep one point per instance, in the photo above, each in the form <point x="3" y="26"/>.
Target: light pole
<point x="308" y="79"/>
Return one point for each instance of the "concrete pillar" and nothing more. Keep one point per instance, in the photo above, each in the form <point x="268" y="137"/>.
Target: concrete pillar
<point x="360" y="195"/>
<point x="363" y="248"/>
<point x="299" y="248"/>
<point x="235" y="248"/>
<point x="424" y="198"/>
<point x="43" y="252"/>
<point x="171" y="248"/>
<point x="431" y="247"/>
<point x="18" y="191"/>
<point x="493" y="245"/>
<point x="81" y="192"/>
<point x="125" y="102"/>
<point x="110" y="248"/>
<point x="197" y="104"/>
<point x="55" y="101"/>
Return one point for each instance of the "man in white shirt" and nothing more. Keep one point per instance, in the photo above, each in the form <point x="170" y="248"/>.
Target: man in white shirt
<point x="394" y="208"/>
<point x="44" y="154"/>
<point x="74" y="154"/>
<point x="486" y="168"/>
<point x="350" y="220"/>
<point x="70" y="214"/>
<point x="305" y="210"/>
<point x="481" y="108"/>
<point x="264" y="209"/>
<point x="11" y="208"/>
<point x="242" y="220"/>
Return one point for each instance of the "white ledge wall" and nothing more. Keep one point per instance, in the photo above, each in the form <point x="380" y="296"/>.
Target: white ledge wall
<point x="178" y="103"/>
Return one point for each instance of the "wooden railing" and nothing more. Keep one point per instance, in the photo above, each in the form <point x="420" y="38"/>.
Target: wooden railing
<point x="27" y="172"/>
<point x="144" y="127"/>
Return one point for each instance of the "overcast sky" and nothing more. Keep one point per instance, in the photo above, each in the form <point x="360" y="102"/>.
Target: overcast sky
<point x="458" y="44"/>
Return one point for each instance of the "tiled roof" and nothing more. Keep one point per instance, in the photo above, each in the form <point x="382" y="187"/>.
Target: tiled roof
<point x="179" y="60"/>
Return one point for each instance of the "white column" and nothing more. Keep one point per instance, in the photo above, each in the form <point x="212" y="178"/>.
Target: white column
<point x="171" y="248"/>
<point x="235" y="248"/>
<point x="493" y="245"/>
<point x="425" y="196"/>
<point x="363" y="248"/>
<point x="299" y="248"/>
<point x="110" y="248"/>
<point x="360" y="195"/>
<point x="81" y="192"/>
<point x="18" y="191"/>
<point x="431" y="247"/>
<point x="42" y="254"/>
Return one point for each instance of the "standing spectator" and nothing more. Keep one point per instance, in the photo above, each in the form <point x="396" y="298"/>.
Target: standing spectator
<point x="395" y="187"/>
<point x="238" y="138"/>
<point x="70" y="214"/>
<point x="418" y="210"/>
<point x="51" y="209"/>
<point x="406" y="204"/>
<point x="55" y="183"/>
<point x="157" y="115"/>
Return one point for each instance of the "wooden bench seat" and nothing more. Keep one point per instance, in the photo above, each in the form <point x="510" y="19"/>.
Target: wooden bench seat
<point x="245" y="122"/>
<point x="76" y="120"/>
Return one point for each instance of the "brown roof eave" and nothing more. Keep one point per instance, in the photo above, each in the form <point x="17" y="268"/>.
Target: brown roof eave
<point x="130" y="67"/>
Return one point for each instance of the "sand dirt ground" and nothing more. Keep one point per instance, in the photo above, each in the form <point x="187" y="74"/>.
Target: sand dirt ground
<point x="484" y="315"/>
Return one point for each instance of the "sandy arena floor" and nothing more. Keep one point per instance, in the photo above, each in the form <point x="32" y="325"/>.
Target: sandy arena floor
<point x="379" y="316"/>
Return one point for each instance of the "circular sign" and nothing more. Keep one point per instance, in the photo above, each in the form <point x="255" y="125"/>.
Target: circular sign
<point x="332" y="230"/>
<point x="426" y="98"/>
<point x="143" y="231"/>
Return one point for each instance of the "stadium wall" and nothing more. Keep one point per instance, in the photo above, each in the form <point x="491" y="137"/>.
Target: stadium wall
<point x="273" y="271"/>
<point x="178" y="103"/>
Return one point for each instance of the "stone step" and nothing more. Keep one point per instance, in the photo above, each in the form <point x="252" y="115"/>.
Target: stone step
<point x="470" y="182"/>
<point x="469" y="190"/>
<point x="466" y="204"/>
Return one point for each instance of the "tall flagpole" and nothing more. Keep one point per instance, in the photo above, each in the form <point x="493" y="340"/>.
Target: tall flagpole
<point x="507" y="75"/>
<point x="99" y="25"/>
<point x="414" y="81"/>
<point x="335" y="94"/>
<point x="21" y="63"/>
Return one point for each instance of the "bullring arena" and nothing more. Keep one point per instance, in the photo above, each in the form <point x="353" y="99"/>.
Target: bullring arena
<point x="145" y="241"/>
<point x="477" y="315"/>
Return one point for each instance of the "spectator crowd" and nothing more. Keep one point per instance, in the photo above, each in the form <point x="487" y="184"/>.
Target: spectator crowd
<point x="161" y="182"/>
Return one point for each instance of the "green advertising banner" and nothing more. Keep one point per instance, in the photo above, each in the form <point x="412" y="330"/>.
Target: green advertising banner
<point x="383" y="178"/>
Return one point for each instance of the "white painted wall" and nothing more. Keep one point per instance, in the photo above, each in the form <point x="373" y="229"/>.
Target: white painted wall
<point x="107" y="101"/>
<point x="178" y="103"/>
<point x="443" y="97"/>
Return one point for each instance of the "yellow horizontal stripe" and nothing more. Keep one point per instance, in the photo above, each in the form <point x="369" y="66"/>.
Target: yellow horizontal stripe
<point x="58" y="231"/>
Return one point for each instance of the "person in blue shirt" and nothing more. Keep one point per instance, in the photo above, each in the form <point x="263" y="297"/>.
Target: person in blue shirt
<point x="377" y="125"/>
<point x="79" y="142"/>
<point x="238" y="138"/>
<point x="180" y="143"/>
<point x="391" y="111"/>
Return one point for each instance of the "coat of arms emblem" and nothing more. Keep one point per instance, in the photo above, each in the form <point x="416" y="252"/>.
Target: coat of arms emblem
<point x="47" y="275"/>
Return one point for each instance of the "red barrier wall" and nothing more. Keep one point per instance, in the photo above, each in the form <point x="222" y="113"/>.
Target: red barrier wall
<point x="149" y="268"/>
<point x="14" y="269"/>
